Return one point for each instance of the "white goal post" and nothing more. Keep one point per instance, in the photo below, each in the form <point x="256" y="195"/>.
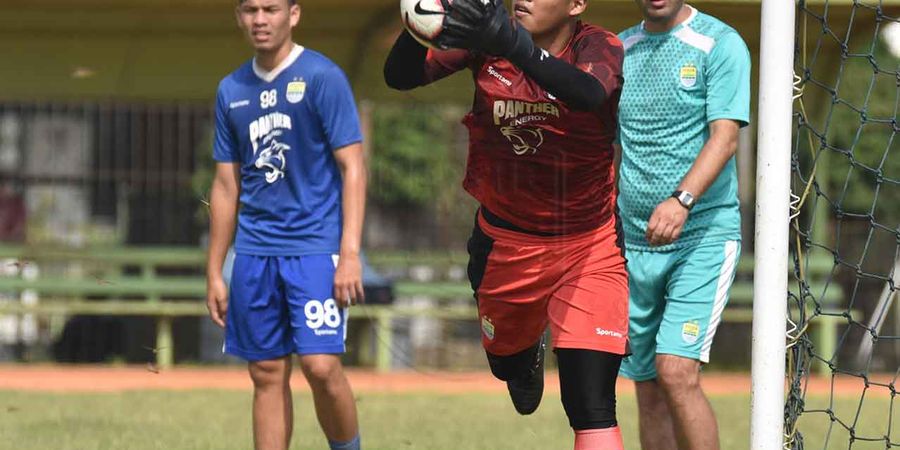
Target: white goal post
<point x="773" y="176"/>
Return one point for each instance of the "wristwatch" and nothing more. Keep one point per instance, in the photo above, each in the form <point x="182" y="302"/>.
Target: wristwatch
<point x="685" y="198"/>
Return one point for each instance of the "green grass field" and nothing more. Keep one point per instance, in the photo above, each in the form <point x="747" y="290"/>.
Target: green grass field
<point x="220" y="420"/>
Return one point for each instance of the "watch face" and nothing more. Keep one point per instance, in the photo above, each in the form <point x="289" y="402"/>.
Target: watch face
<point x="685" y="198"/>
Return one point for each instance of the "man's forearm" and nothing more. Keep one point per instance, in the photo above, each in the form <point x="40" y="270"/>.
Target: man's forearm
<point x="222" y="218"/>
<point x="354" y="208"/>
<point x="713" y="157"/>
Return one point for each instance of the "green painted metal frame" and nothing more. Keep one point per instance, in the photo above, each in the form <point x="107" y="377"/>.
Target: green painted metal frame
<point x="170" y="297"/>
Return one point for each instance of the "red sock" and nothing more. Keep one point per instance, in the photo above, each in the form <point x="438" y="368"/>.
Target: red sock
<point x="602" y="439"/>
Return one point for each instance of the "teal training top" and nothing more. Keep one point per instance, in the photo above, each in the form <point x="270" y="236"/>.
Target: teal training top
<point x="676" y="83"/>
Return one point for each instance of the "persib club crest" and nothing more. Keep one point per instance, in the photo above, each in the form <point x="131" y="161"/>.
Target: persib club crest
<point x="688" y="75"/>
<point x="487" y="327"/>
<point x="295" y="91"/>
<point x="690" y="331"/>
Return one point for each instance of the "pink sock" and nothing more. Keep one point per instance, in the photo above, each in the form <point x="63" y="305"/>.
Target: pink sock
<point x="603" y="439"/>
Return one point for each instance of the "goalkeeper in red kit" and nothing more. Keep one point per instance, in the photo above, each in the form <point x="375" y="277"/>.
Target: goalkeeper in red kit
<point x="546" y="248"/>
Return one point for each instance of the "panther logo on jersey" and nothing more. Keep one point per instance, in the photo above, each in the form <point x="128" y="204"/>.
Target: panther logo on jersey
<point x="524" y="140"/>
<point x="272" y="157"/>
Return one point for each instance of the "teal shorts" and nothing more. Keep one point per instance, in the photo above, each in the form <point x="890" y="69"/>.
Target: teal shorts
<point x="676" y="302"/>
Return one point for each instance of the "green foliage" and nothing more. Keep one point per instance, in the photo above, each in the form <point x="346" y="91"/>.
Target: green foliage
<point x="412" y="163"/>
<point x="202" y="178"/>
<point x="863" y="166"/>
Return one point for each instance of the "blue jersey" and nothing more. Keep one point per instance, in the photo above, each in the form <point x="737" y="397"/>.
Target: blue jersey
<point x="282" y="127"/>
<point x="676" y="83"/>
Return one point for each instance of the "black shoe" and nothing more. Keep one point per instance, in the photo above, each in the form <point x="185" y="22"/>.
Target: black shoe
<point x="526" y="392"/>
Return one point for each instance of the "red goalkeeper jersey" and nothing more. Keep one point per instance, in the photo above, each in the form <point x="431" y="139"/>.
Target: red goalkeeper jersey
<point x="533" y="161"/>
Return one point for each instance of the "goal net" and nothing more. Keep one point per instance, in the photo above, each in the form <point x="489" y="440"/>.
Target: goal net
<point x="843" y="343"/>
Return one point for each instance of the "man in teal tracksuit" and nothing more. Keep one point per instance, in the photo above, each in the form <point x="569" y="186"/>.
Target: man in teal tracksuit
<point x="686" y="95"/>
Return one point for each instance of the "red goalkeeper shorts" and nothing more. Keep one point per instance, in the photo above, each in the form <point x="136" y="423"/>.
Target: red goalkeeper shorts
<point x="575" y="283"/>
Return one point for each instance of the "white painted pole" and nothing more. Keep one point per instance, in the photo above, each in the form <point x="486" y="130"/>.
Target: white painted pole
<point x="773" y="174"/>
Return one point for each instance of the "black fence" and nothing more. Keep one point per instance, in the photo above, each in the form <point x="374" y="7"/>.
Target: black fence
<point x="83" y="170"/>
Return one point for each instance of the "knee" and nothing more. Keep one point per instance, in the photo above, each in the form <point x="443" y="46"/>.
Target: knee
<point x="678" y="375"/>
<point x="267" y="374"/>
<point x="321" y="370"/>
<point x="504" y="368"/>
<point x="650" y="395"/>
<point x="587" y="412"/>
<point x="648" y="391"/>
<point x="510" y="367"/>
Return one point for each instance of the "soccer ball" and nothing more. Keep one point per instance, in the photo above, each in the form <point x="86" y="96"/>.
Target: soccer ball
<point x="424" y="19"/>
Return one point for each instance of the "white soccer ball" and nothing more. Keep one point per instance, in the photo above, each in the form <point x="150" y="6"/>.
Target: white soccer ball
<point x="424" y="19"/>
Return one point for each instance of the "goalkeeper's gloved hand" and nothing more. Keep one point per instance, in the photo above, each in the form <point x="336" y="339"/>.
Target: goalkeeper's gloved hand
<point x="485" y="26"/>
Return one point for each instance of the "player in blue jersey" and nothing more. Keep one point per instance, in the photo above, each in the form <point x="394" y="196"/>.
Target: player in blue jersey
<point x="290" y="171"/>
<point x="686" y="95"/>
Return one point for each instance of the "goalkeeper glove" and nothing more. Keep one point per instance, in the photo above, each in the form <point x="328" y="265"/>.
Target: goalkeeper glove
<point x="485" y="26"/>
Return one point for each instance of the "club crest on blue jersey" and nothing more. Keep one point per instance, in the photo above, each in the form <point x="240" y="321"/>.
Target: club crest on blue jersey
<point x="295" y="91"/>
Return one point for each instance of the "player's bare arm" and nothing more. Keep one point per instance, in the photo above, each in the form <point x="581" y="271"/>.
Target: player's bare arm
<point x="223" y="207"/>
<point x="668" y="218"/>
<point x="348" y="288"/>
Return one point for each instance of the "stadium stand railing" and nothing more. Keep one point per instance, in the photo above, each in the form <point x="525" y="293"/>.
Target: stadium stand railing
<point x="116" y="279"/>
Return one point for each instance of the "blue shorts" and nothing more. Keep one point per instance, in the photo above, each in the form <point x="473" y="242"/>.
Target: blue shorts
<point x="280" y="305"/>
<point x="676" y="300"/>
